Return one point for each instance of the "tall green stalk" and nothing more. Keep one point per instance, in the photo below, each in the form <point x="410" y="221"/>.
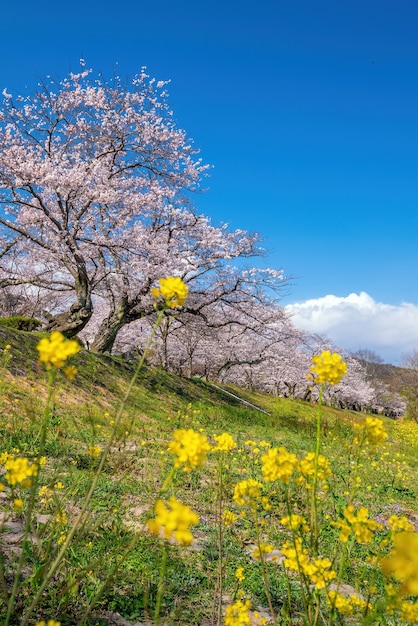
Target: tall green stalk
<point x="314" y="503"/>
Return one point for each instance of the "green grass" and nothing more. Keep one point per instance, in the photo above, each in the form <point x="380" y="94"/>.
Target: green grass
<point x="83" y="413"/>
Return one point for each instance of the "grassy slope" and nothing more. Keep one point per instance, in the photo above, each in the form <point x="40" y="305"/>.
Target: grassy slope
<point x="133" y="474"/>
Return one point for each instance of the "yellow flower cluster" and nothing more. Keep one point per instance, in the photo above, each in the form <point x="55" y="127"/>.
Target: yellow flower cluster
<point x="173" y="521"/>
<point x="398" y="524"/>
<point x="173" y="290"/>
<point x="372" y="430"/>
<point x="229" y="517"/>
<point x="409" y="612"/>
<point x="17" y="505"/>
<point x="359" y="523"/>
<point x="61" y="518"/>
<point x="262" y="548"/>
<point x="306" y="468"/>
<point x="70" y="371"/>
<point x="239" y="574"/>
<point x="328" y="368"/>
<point x="346" y="605"/>
<point x="94" y="451"/>
<point x="4" y="456"/>
<point x="45" y="495"/>
<point x="189" y="448"/>
<point x="402" y="562"/>
<point x="238" y="614"/>
<point x="297" y="559"/>
<point x="278" y="463"/>
<point x="248" y="493"/>
<point x="20" y="470"/>
<point x="294" y="522"/>
<point x="225" y="443"/>
<point x="55" y="350"/>
<point x="51" y="622"/>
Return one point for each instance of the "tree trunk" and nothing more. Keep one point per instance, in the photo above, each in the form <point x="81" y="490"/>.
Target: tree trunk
<point x="75" y="319"/>
<point x="109" y="328"/>
<point x="71" y="322"/>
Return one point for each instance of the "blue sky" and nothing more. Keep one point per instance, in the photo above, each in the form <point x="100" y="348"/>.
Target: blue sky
<point x="308" y="112"/>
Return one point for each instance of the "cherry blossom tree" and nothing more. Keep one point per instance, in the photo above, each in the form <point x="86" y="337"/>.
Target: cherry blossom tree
<point x="82" y="162"/>
<point x="95" y="182"/>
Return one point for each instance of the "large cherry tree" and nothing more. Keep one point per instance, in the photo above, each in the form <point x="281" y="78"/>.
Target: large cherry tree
<point x="84" y="165"/>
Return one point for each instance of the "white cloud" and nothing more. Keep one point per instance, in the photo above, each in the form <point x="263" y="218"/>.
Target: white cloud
<point x="358" y="321"/>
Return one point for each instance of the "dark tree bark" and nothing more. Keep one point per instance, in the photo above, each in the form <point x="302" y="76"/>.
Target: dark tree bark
<point x="109" y="328"/>
<point x="71" y="322"/>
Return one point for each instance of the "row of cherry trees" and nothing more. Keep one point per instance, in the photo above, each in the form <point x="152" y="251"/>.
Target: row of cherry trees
<point x="260" y="349"/>
<point x="96" y="181"/>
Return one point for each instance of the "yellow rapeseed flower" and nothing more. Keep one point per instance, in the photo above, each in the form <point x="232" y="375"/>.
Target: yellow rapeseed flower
<point x="262" y="548"/>
<point x="55" y="350"/>
<point x="189" y="448"/>
<point x="225" y="443"/>
<point x="296" y="556"/>
<point x="94" y="451"/>
<point x="346" y="605"/>
<point x="173" y="291"/>
<point x="173" y="521"/>
<point x="20" y="470"/>
<point x="398" y="524"/>
<point x="359" y="523"/>
<point x="409" y="612"/>
<point x="294" y="522"/>
<point x="328" y="368"/>
<point x="248" y="493"/>
<point x="239" y="574"/>
<point x="238" y="614"/>
<point x="70" y="371"/>
<point x="306" y="467"/>
<point x="297" y="559"/>
<point x="45" y="495"/>
<point x="373" y="430"/>
<point x="278" y="463"/>
<point x="402" y="562"/>
<point x="319" y="572"/>
<point x="229" y="517"/>
<point x="61" y="518"/>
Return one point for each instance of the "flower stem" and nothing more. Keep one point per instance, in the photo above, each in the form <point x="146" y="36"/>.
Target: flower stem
<point x="314" y="505"/>
<point x="161" y="580"/>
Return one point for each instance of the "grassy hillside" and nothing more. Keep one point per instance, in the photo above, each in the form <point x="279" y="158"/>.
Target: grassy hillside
<point x="112" y="567"/>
